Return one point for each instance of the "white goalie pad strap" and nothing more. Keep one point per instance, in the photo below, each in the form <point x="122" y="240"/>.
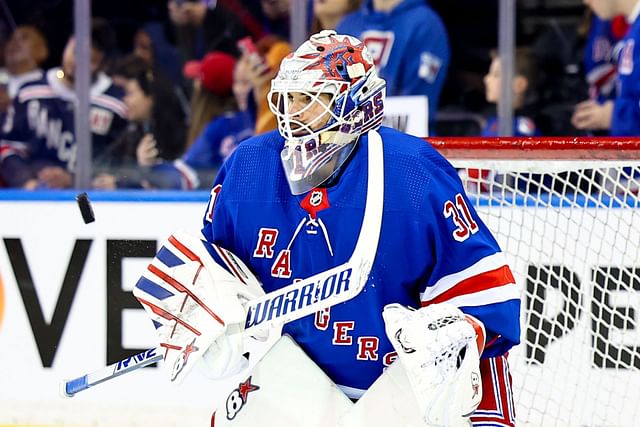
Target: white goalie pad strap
<point x="193" y="291"/>
<point x="285" y="388"/>
<point x="437" y="347"/>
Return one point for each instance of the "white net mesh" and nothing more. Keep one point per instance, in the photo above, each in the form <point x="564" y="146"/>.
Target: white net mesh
<point x="572" y="238"/>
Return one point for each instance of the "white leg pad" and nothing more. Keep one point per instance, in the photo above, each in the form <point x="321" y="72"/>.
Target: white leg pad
<point x="285" y="388"/>
<point x="390" y="401"/>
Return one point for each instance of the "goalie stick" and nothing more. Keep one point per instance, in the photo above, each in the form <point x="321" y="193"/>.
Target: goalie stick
<point x="294" y="301"/>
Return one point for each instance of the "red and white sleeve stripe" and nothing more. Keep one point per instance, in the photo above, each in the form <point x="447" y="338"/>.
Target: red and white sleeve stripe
<point x="488" y="281"/>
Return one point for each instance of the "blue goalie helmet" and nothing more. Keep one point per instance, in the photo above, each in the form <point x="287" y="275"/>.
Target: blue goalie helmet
<point x="326" y="94"/>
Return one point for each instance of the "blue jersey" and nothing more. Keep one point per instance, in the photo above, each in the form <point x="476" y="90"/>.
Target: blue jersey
<point x="626" y="107"/>
<point x="218" y="140"/>
<point x="432" y="248"/>
<point x="600" y="57"/>
<point x="211" y="148"/>
<point x="522" y="126"/>
<point x="409" y="45"/>
<point x="39" y="128"/>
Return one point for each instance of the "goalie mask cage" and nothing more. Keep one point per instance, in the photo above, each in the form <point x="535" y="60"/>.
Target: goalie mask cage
<point x="566" y="213"/>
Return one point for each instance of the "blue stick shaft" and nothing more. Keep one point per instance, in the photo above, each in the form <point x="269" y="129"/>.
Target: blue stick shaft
<point x="137" y="361"/>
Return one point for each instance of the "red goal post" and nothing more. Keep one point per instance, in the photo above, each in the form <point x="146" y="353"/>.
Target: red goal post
<point x="566" y="213"/>
<point x="556" y="148"/>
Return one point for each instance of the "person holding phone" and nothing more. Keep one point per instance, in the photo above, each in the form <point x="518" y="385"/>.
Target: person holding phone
<point x="258" y="64"/>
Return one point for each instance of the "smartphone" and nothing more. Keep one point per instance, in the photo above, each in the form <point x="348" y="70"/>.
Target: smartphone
<point x="247" y="46"/>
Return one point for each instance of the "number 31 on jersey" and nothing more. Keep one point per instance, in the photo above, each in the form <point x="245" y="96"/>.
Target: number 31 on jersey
<point x="461" y="216"/>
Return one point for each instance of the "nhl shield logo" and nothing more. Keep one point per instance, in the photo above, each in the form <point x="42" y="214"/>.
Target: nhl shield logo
<point x="315" y="201"/>
<point x="316" y="198"/>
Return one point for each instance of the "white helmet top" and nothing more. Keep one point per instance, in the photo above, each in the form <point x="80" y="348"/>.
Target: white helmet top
<point x="339" y="66"/>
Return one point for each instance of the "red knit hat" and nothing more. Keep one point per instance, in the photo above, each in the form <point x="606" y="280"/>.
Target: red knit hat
<point x="214" y="71"/>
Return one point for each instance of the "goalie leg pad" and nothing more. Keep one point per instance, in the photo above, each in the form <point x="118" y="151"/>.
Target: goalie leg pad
<point x="285" y="388"/>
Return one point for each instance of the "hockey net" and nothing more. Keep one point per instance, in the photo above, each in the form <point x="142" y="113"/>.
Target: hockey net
<point x="566" y="213"/>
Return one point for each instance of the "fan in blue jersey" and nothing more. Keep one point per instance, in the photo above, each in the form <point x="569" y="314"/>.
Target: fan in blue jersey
<point x="409" y="44"/>
<point x="24" y="54"/>
<point x="290" y="205"/>
<point x="620" y="116"/>
<point x="601" y="56"/>
<point x="38" y="146"/>
<point x="220" y="115"/>
<point x="523" y="89"/>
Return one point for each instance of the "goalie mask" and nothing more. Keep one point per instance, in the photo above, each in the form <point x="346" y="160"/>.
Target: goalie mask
<point x="326" y="94"/>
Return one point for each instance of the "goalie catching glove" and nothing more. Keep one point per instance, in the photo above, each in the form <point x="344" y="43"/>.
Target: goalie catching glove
<point x="194" y="292"/>
<point x="439" y="347"/>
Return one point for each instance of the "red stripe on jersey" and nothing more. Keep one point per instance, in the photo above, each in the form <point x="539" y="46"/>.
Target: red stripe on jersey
<point x="187" y="177"/>
<point x="496" y="407"/>
<point x="110" y="103"/>
<point x="489" y="279"/>
<point x="34" y="92"/>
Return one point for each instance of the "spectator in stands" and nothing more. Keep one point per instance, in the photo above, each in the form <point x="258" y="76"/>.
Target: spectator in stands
<point x="187" y="18"/>
<point x="127" y="68"/>
<point x="327" y="14"/>
<point x="523" y="93"/>
<point x="523" y="87"/>
<point x="258" y="65"/>
<point x="601" y="55"/>
<point x="143" y="154"/>
<point x="620" y="116"/>
<point x="142" y="56"/>
<point x="25" y="52"/>
<point x="409" y="44"/>
<point x="143" y="46"/>
<point x="220" y="118"/>
<point x="275" y="19"/>
<point x="204" y="25"/>
<point x="37" y="144"/>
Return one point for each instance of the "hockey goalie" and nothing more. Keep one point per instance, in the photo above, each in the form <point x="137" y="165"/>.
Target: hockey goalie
<point x="353" y="253"/>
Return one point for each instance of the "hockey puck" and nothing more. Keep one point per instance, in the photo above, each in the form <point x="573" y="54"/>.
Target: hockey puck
<point x="85" y="208"/>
